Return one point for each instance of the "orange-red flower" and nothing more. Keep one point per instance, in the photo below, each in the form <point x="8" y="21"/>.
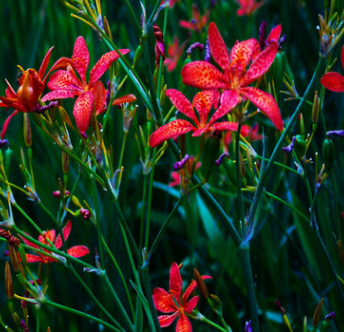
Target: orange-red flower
<point x="248" y="7"/>
<point x="197" y="22"/>
<point x="334" y="81"/>
<point x="31" y="85"/>
<point x="76" y="251"/>
<point x="236" y="78"/>
<point x="91" y="95"/>
<point x="174" y="52"/>
<point x="174" y="303"/>
<point x="203" y="102"/>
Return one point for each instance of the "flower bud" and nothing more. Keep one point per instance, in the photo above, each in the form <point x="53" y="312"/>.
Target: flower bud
<point x="300" y="145"/>
<point x="315" y="110"/>
<point x="216" y="304"/>
<point x="65" y="162"/>
<point x="12" y="252"/>
<point x="200" y="284"/>
<point x="8" y="282"/>
<point x="27" y="130"/>
<point x="328" y="152"/>
<point x="107" y="28"/>
<point x="317" y="314"/>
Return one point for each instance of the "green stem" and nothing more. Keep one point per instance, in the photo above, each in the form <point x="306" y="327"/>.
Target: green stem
<point x="82" y="314"/>
<point x="238" y="175"/>
<point x="120" y="161"/>
<point x="143" y="209"/>
<point x="202" y="318"/>
<point x="133" y="14"/>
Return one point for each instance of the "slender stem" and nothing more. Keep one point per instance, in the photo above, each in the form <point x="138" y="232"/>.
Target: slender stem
<point x="143" y="209"/>
<point x="202" y="318"/>
<point x="133" y="14"/>
<point x="238" y="175"/>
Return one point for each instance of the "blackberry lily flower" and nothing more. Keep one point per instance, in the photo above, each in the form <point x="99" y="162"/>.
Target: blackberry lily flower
<point x="203" y="103"/>
<point x="248" y="7"/>
<point x="76" y="251"/>
<point x="334" y="81"/>
<point x="235" y="78"/>
<point x="66" y="84"/>
<point x="174" y="303"/>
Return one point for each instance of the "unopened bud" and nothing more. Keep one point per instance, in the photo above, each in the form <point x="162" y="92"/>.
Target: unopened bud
<point x="107" y="28"/>
<point x="200" y="284"/>
<point x="217" y="304"/>
<point x="86" y="214"/>
<point x="317" y="314"/>
<point x="14" y="258"/>
<point x="315" y="108"/>
<point x="65" y="162"/>
<point x="8" y="282"/>
<point x="27" y="130"/>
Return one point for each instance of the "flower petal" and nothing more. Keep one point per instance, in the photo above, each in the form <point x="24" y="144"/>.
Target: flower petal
<point x="266" y="103"/>
<point x="82" y="111"/>
<point x="163" y="300"/>
<point x="218" y="48"/>
<point x="81" y="57"/>
<point x="170" y="130"/>
<point x="229" y="99"/>
<point x="28" y="242"/>
<point x="64" y="80"/>
<point x="66" y="231"/>
<point x="275" y="34"/>
<point x="14" y="103"/>
<point x="191" y="304"/>
<point x="242" y="52"/>
<point x="203" y="75"/>
<point x="333" y="82"/>
<point x="226" y="125"/>
<point x="59" y="94"/>
<point x="182" y="104"/>
<point x="261" y="64"/>
<point x="99" y="95"/>
<point x="176" y="281"/>
<point x="183" y="324"/>
<point x="103" y="64"/>
<point x="30" y="258"/>
<point x="203" y="102"/>
<point x="191" y="288"/>
<point x="124" y="99"/>
<point x="78" y="251"/>
<point x="167" y="320"/>
<point x="45" y="63"/>
<point x="6" y="123"/>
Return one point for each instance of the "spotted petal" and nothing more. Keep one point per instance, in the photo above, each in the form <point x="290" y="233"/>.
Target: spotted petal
<point x="203" y="102"/>
<point x="242" y="52"/>
<point x="167" y="320"/>
<point x="266" y="103"/>
<point x="14" y="103"/>
<point x="191" y="304"/>
<point x="162" y="300"/>
<point x="170" y="130"/>
<point x="78" y="251"/>
<point x="28" y="242"/>
<point x="176" y="281"/>
<point x="333" y="82"/>
<point x="275" y="34"/>
<point x="59" y="94"/>
<point x="82" y="111"/>
<point x="45" y="63"/>
<point x="203" y="75"/>
<point x="224" y="126"/>
<point x="182" y="104"/>
<point x="103" y="64"/>
<point x="261" y="64"/>
<point x="64" y="80"/>
<point x="218" y="48"/>
<point x="99" y="95"/>
<point x="66" y="231"/>
<point x="30" y="258"/>
<point x="81" y="57"/>
<point x="183" y="324"/>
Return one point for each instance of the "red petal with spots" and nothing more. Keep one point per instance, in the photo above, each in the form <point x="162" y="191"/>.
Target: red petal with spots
<point x="33" y="258"/>
<point x="45" y="63"/>
<point x="81" y="57"/>
<point x="203" y="75"/>
<point x="78" y="251"/>
<point x="275" y="34"/>
<point x="187" y="25"/>
<point x="64" y="80"/>
<point x="10" y="93"/>
<point x="124" y="99"/>
<point x="266" y="103"/>
<point x="103" y="64"/>
<point x="261" y="64"/>
<point x="99" y="95"/>
<point x="183" y="324"/>
<point x="66" y="231"/>
<point x="222" y="126"/>
<point x="167" y="320"/>
<point x="176" y="282"/>
<point x="170" y="130"/>
<point x="218" y="48"/>
<point x="59" y="94"/>
<point x="191" y="304"/>
<point x="162" y="301"/>
<point x="182" y="104"/>
<point x="229" y="99"/>
<point x="14" y="103"/>
<point x="48" y="235"/>
<point x="28" y="242"/>
<point x="61" y="63"/>
<point x="333" y="81"/>
<point x="83" y="111"/>
<point x="203" y="102"/>
<point x="242" y="52"/>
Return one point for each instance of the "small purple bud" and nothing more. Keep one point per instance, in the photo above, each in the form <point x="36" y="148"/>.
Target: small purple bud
<point x="339" y="133"/>
<point x="290" y="147"/>
<point x="85" y="213"/>
<point x="281" y="41"/>
<point x="219" y="161"/>
<point x="194" y="46"/>
<point x="179" y="164"/>
<point x="40" y="109"/>
<point x="108" y="95"/>
<point x="6" y="253"/>
<point x="4" y="143"/>
<point x="207" y="52"/>
<point x="248" y="327"/>
<point x="262" y="37"/>
<point x="24" y="326"/>
<point x="331" y="315"/>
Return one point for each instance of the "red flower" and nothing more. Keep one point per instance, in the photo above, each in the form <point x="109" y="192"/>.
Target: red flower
<point x="76" y="251"/>
<point x="235" y="79"/>
<point x="174" y="52"/>
<point x="203" y="103"/>
<point x="66" y="84"/>
<point x="31" y="85"/>
<point x="334" y="81"/>
<point x="197" y="22"/>
<point x="174" y="302"/>
<point x="248" y="7"/>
